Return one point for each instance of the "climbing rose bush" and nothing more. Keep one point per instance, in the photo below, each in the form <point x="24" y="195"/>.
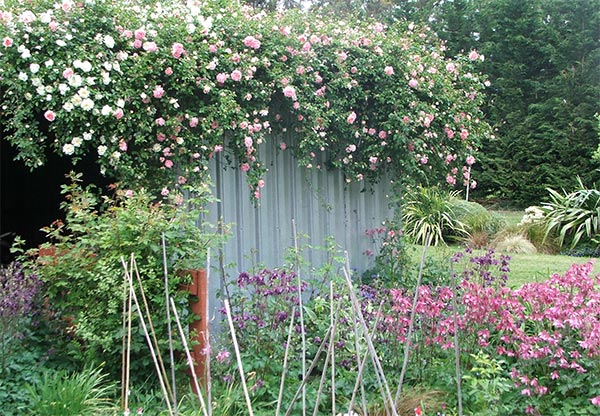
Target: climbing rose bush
<point x="153" y="91"/>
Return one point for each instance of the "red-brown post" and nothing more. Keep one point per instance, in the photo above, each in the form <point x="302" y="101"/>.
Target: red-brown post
<point x="199" y="289"/>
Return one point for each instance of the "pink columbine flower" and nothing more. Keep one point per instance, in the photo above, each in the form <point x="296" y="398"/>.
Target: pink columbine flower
<point x="222" y="356"/>
<point x="351" y="117"/>
<point x="252" y="42"/>
<point x="7" y="42"/>
<point x="236" y="75"/>
<point x="49" y="115"/>
<point x="158" y="91"/>
<point x="389" y="70"/>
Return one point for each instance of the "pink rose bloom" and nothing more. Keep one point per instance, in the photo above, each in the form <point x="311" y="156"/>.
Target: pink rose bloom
<point x="160" y="121"/>
<point x="7" y="42"/>
<point x="448" y="159"/>
<point x="168" y="163"/>
<point x="123" y="145"/>
<point x="158" y="91"/>
<point x="413" y="83"/>
<point x="68" y="73"/>
<point x="181" y="180"/>
<point x="382" y="134"/>
<point x="473" y="184"/>
<point x="464" y="134"/>
<point x="128" y="34"/>
<point x="169" y="71"/>
<point x="289" y="92"/>
<point x="450" y="67"/>
<point x="285" y="31"/>
<point x="451" y="180"/>
<point x="470" y="160"/>
<point x="161" y="137"/>
<point x="140" y="34"/>
<point x="473" y="55"/>
<point x="389" y="70"/>
<point x="351" y="117"/>
<point x="53" y="26"/>
<point x="296" y="105"/>
<point x="261" y="183"/>
<point x="65" y="6"/>
<point x="595" y="400"/>
<point x="212" y="48"/>
<point x="218" y="148"/>
<point x="164" y="191"/>
<point x="137" y="43"/>
<point x="373" y="160"/>
<point x="236" y="75"/>
<point x="150" y="46"/>
<point x="245" y="167"/>
<point x="193" y="122"/>
<point x="342" y="56"/>
<point x="248" y="142"/>
<point x="49" y="115"/>
<point x="221" y="78"/>
<point x="306" y="47"/>
<point x="282" y="145"/>
<point x="424" y="160"/>
<point x="378" y="27"/>
<point x="118" y="113"/>
<point x="128" y="193"/>
<point x="252" y="42"/>
<point x="351" y="148"/>
<point x="177" y="50"/>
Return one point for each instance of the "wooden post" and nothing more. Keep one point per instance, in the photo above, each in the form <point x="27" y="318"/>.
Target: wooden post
<point x="198" y="288"/>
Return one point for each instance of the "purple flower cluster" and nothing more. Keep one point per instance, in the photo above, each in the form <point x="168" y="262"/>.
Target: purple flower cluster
<point x="18" y="291"/>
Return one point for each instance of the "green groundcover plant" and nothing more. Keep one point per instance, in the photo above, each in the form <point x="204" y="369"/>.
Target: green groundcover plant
<point x="153" y="91"/>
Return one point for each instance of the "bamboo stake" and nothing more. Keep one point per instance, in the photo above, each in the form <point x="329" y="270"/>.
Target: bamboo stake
<point x="238" y="356"/>
<point x="151" y="326"/>
<point x="456" y="346"/>
<point x="362" y="366"/>
<point x="411" y="323"/>
<point x="285" y="360"/>
<point x="310" y="369"/>
<point x="373" y="352"/>
<point x="326" y="364"/>
<point x="301" y="307"/>
<point x="169" y="332"/>
<point x="331" y="317"/>
<point x="207" y="356"/>
<point x="190" y="360"/>
<point x="149" y="342"/>
<point x="124" y="345"/>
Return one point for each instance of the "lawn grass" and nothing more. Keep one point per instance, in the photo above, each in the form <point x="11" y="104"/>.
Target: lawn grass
<point x="524" y="268"/>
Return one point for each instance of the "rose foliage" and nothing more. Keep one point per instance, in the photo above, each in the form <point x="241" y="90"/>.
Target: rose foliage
<point x="154" y="91"/>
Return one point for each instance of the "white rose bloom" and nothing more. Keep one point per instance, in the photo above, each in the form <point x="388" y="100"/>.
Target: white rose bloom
<point x="107" y="66"/>
<point x="76" y="100"/>
<point x="76" y="141"/>
<point x="87" y="104"/>
<point x="90" y="81"/>
<point x="49" y="88"/>
<point x="75" y="81"/>
<point x="77" y="63"/>
<point x="87" y="136"/>
<point x="34" y="68"/>
<point x="109" y="41"/>
<point x="191" y="28"/>
<point x="61" y="42"/>
<point x="116" y="155"/>
<point x="49" y="97"/>
<point x="49" y="63"/>
<point x="68" y="149"/>
<point x="101" y="150"/>
<point x="28" y="96"/>
<point x="121" y="103"/>
<point x="105" y="78"/>
<point x="63" y="88"/>
<point x="83" y="92"/>
<point x="157" y="147"/>
<point x="26" y="54"/>
<point x="23" y="76"/>
<point x="41" y="90"/>
<point x="68" y="107"/>
<point x="106" y="110"/>
<point x="36" y="82"/>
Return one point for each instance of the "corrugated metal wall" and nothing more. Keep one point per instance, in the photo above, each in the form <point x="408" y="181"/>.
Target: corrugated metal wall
<point x="320" y="202"/>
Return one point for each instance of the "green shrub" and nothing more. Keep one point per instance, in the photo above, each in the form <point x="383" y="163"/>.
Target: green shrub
<point x="480" y="224"/>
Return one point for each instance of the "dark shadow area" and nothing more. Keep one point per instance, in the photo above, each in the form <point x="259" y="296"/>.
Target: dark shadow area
<point x="30" y="200"/>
